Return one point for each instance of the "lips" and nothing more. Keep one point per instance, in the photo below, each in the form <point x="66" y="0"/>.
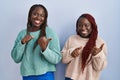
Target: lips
<point x="84" y="32"/>
<point x="37" y="21"/>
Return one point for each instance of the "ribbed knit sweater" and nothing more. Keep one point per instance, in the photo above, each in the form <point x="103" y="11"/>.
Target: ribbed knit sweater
<point x="36" y="62"/>
<point x="93" y="68"/>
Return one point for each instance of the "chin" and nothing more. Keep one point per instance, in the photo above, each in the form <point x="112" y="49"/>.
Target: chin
<point x="85" y="36"/>
<point x="37" y="25"/>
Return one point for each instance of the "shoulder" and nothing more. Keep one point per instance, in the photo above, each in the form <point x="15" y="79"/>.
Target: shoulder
<point x="50" y="31"/>
<point x="100" y="41"/>
<point x="74" y="37"/>
<point x="22" y="32"/>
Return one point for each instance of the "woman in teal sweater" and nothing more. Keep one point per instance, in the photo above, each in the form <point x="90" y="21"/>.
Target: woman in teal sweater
<point x="37" y="47"/>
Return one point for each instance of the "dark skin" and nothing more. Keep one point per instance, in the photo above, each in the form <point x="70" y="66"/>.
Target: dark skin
<point x="94" y="51"/>
<point x="76" y="52"/>
<point x="37" y="18"/>
<point x="85" y="28"/>
<point x="26" y="39"/>
<point x="43" y="42"/>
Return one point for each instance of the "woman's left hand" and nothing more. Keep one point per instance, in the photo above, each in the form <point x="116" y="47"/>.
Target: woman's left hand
<point x="96" y="50"/>
<point x="43" y="42"/>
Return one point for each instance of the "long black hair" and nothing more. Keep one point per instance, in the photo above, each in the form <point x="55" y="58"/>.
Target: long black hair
<point x="42" y="26"/>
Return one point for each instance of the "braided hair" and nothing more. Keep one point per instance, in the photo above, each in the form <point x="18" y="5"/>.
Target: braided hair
<point x="42" y="26"/>
<point x="92" y="39"/>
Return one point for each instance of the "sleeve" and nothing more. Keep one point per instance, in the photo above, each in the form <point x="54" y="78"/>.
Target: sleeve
<point x="66" y="52"/>
<point x="52" y="53"/>
<point x="99" y="61"/>
<point x="18" y="49"/>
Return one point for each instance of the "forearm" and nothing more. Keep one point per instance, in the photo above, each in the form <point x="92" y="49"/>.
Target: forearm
<point x="99" y="61"/>
<point x="17" y="51"/>
<point x="52" y="55"/>
<point x="66" y="55"/>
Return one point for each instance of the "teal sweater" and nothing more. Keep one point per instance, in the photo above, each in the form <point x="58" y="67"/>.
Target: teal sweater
<point x="36" y="62"/>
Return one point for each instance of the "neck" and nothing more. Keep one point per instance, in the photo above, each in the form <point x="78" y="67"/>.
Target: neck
<point x="33" y="29"/>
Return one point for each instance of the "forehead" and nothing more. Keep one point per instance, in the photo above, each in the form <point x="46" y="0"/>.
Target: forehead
<point x="83" y="20"/>
<point x="38" y="9"/>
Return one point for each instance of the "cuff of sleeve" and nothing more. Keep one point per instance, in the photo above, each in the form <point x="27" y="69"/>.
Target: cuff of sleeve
<point x="98" y="55"/>
<point x="45" y="51"/>
<point x="20" y="44"/>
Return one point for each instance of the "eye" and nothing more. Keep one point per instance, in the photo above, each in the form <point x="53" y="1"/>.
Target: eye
<point x="42" y="15"/>
<point x="87" y="25"/>
<point x="80" y="25"/>
<point x="34" y="14"/>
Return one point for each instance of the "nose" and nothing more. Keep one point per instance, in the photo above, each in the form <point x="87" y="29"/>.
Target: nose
<point x="38" y="16"/>
<point x="83" y="27"/>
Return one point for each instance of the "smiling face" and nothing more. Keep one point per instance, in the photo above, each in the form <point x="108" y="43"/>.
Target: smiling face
<point x="37" y="17"/>
<point x="84" y="27"/>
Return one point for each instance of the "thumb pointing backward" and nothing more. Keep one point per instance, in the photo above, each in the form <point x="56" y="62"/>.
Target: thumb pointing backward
<point x="101" y="46"/>
<point x="49" y="39"/>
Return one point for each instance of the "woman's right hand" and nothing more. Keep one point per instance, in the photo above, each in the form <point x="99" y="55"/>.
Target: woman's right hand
<point x="26" y="39"/>
<point x="76" y="52"/>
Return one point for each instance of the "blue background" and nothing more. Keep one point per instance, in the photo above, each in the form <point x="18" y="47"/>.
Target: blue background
<point x="62" y="18"/>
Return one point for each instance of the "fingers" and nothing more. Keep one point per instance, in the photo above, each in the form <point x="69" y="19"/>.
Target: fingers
<point x="76" y="52"/>
<point x="96" y="50"/>
<point x="101" y="47"/>
<point x="29" y="37"/>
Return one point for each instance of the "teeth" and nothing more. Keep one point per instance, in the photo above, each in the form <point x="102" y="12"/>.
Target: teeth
<point x="36" y="21"/>
<point x="84" y="32"/>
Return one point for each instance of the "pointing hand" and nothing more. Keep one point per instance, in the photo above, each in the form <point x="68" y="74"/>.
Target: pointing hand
<point x="96" y="50"/>
<point x="76" y="52"/>
<point x="43" y="42"/>
<point x="27" y="38"/>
